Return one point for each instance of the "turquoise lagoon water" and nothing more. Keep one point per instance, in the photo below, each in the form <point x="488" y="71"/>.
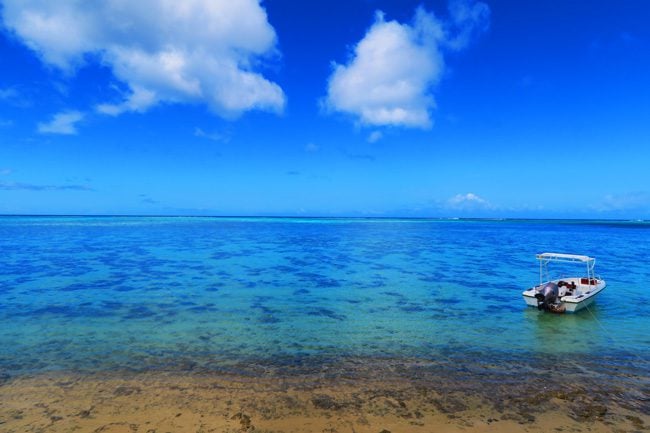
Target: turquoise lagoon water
<point x="111" y="293"/>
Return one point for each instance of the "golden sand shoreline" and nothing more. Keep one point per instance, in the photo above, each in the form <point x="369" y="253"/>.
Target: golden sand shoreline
<point x="160" y="402"/>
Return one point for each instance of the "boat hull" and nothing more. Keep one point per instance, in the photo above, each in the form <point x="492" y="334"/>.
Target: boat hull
<point x="570" y="303"/>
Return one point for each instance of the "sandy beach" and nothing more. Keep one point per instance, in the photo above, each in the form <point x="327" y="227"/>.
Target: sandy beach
<point x="160" y="402"/>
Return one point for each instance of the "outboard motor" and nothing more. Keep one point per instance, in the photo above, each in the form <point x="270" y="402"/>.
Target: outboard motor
<point x="546" y="296"/>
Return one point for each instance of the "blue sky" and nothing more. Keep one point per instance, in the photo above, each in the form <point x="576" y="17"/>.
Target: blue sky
<point x="356" y="108"/>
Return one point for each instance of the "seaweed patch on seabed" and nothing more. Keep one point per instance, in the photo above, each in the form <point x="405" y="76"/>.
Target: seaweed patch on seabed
<point x="353" y="394"/>
<point x="325" y="312"/>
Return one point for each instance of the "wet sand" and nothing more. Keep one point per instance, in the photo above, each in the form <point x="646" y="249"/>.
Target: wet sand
<point x="373" y="399"/>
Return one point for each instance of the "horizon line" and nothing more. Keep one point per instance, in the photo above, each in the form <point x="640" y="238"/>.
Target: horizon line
<point x="64" y="215"/>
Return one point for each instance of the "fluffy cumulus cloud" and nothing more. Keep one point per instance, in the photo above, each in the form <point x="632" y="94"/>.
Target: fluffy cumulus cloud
<point x="191" y="51"/>
<point x="394" y="69"/>
<point x="62" y="123"/>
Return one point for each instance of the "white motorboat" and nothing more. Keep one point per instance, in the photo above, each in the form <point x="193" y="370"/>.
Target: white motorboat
<point x="565" y="294"/>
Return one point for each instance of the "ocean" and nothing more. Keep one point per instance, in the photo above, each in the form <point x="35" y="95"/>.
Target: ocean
<point x="138" y="293"/>
<point x="316" y="324"/>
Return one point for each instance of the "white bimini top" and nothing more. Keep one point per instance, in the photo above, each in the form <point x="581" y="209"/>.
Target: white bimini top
<point x="559" y="257"/>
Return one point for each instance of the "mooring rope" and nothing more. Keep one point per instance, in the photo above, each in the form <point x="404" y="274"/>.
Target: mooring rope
<point x="609" y="335"/>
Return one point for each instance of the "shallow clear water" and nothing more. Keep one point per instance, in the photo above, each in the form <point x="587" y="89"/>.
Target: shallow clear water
<point x="101" y="293"/>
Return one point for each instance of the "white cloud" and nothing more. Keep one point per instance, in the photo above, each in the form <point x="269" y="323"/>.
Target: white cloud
<point x="138" y="101"/>
<point x="62" y="123"/>
<point x="393" y="70"/>
<point x="467" y="19"/>
<point x="312" y="148"/>
<point x="11" y="96"/>
<point x="193" y="51"/>
<point x="631" y="201"/>
<point x="5" y="171"/>
<point x="469" y="201"/>
<point x="8" y="93"/>
<point x="375" y="136"/>
<point x="212" y="136"/>
<point x="18" y="186"/>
